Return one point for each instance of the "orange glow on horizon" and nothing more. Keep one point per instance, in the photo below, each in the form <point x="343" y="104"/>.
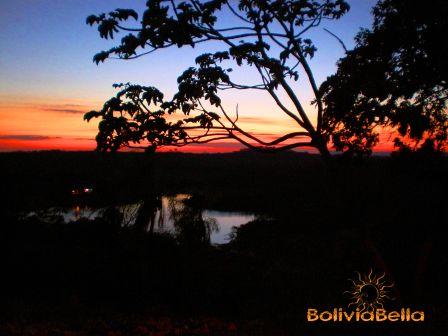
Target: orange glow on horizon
<point x="66" y="144"/>
<point x="69" y="144"/>
<point x="34" y="125"/>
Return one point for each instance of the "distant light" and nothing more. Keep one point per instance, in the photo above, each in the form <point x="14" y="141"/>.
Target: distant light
<point x="81" y="191"/>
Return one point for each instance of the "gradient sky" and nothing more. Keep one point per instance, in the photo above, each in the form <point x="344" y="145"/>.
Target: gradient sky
<point x="48" y="79"/>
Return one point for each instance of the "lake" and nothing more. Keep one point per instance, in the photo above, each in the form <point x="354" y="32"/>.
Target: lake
<point x="165" y="216"/>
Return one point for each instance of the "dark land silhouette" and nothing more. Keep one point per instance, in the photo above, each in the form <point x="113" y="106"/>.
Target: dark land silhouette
<point x="315" y="227"/>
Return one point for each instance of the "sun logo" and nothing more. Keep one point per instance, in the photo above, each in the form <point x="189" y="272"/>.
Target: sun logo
<point x="369" y="292"/>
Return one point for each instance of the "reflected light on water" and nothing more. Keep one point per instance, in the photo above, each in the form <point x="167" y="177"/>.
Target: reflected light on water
<point x="163" y="216"/>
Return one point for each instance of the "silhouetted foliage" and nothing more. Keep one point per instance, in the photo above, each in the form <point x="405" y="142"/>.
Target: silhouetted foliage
<point x="192" y="228"/>
<point x="271" y="40"/>
<point x="396" y="77"/>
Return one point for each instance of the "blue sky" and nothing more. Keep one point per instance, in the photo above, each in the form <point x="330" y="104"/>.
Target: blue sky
<point x="47" y="48"/>
<point x="46" y="54"/>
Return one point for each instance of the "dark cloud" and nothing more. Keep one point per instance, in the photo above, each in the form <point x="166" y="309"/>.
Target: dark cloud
<point x="218" y="145"/>
<point x="26" y="137"/>
<point x="260" y="120"/>
<point x="83" y="139"/>
<point x="64" y="110"/>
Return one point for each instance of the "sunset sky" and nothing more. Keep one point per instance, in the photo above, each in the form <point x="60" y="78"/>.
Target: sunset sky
<point x="48" y="79"/>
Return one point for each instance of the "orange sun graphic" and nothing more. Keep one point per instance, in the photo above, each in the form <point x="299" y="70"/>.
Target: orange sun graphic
<point x="369" y="292"/>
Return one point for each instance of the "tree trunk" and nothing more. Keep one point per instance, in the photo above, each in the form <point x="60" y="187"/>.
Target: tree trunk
<point x="321" y="146"/>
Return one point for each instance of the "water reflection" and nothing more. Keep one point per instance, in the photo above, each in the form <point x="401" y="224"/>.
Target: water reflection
<point x="180" y="215"/>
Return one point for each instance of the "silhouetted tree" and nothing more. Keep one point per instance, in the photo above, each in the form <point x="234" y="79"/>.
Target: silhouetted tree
<point x="145" y="218"/>
<point x="191" y="226"/>
<point x="270" y="38"/>
<point x="394" y="79"/>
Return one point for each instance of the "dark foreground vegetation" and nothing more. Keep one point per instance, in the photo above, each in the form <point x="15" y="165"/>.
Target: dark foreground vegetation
<point x="317" y="225"/>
